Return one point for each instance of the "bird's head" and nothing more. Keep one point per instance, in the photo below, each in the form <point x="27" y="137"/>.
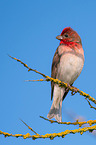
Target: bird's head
<point x="68" y="37"/>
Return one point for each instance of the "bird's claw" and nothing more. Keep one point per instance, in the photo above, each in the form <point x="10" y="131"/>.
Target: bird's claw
<point x="74" y="91"/>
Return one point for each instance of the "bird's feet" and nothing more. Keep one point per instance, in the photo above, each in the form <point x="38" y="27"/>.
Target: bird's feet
<point x="75" y="90"/>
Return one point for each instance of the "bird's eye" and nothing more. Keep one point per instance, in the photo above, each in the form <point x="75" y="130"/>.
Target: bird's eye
<point x="66" y="35"/>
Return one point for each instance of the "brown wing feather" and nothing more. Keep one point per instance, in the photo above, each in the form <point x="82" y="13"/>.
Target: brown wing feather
<point x="56" y="60"/>
<point x="55" y="63"/>
<point x="66" y="92"/>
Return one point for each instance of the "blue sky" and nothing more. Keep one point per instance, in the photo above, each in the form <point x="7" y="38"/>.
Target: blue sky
<point x="28" y="30"/>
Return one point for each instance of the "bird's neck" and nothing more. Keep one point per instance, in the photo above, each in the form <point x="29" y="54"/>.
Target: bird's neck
<point x="71" y="44"/>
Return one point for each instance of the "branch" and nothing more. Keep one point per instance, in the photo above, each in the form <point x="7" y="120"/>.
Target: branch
<point x="60" y="83"/>
<point x="90" y="122"/>
<point x="51" y="135"/>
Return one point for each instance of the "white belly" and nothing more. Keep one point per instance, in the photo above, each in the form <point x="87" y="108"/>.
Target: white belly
<point x="70" y="68"/>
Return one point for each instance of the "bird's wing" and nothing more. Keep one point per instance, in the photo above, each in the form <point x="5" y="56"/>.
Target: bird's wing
<point x="55" y="63"/>
<point x="66" y="92"/>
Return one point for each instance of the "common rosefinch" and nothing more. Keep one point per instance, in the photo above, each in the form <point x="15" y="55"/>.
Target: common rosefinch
<point x="67" y="65"/>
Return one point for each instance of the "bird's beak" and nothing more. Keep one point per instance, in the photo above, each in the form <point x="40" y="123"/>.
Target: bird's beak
<point x="59" y="37"/>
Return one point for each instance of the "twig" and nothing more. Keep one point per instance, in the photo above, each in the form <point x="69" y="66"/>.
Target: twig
<point x="40" y="80"/>
<point x="90" y="104"/>
<point x="30" y="128"/>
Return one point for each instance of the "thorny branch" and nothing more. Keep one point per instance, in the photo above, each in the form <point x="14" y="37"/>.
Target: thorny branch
<point x="80" y="123"/>
<point x="51" y="135"/>
<point x="60" y="83"/>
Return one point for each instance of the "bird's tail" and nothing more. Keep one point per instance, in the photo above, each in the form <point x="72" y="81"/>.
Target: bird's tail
<point x="55" y="111"/>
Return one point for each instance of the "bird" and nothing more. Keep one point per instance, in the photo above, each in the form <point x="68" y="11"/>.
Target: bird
<point x="68" y="62"/>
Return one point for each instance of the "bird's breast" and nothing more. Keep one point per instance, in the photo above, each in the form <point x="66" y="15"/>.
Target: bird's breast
<point x="70" y="67"/>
